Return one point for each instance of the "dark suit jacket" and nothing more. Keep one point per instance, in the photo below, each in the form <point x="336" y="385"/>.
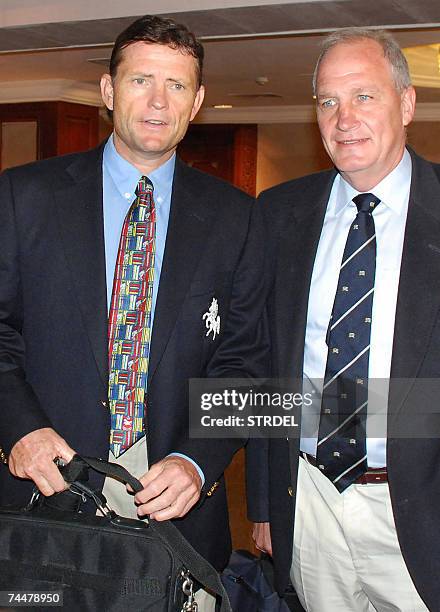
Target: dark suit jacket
<point x="53" y="319"/>
<point x="294" y="213"/>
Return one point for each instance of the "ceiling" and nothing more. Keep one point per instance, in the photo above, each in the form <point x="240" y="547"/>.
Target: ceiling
<point x="48" y="49"/>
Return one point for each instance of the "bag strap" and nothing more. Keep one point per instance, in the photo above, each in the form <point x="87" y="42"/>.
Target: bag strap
<point x="199" y="567"/>
<point x="118" y="472"/>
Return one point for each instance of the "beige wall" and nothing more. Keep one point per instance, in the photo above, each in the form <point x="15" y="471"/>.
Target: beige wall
<point x="286" y="151"/>
<point x="18" y="143"/>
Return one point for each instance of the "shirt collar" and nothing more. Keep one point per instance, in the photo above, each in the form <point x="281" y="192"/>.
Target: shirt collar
<point x="393" y="190"/>
<point x="125" y="176"/>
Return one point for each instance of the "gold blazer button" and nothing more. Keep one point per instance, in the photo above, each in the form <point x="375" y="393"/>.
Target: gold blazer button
<point x="212" y="489"/>
<point x="3" y="456"/>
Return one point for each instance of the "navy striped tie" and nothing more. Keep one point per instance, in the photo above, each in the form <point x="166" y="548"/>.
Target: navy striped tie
<point x="341" y="453"/>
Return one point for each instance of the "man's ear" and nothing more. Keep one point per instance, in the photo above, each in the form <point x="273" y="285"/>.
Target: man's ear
<point x="408" y="105"/>
<point x="197" y="102"/>
<point x="107" y="90"/>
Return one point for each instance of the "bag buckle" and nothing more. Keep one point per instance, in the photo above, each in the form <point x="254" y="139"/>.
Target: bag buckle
<point x="190" y="605"/>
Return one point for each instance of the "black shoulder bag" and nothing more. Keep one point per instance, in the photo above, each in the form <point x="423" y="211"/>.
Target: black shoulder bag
<point x="52" y="556"/>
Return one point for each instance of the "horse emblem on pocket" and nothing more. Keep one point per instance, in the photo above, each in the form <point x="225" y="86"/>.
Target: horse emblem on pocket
<point x="212" y="319"/>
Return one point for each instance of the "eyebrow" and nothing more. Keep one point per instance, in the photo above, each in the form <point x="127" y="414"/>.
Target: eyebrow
<point x="356" y="90"/>
<point x="144" y="75"/>
<point x="177" y="80"/>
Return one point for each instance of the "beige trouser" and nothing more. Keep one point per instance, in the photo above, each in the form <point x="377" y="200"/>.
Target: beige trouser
<point x="135" y="461"/>
<point x="346" y="556"/>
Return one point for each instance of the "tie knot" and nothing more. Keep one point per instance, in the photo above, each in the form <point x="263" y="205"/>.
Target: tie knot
<point x="366" y="202"/>
<point x="144" y="186"/>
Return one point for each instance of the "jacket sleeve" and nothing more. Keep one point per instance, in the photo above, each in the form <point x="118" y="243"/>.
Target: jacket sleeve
<point x="244" y="349"/>
<point x="20" y="410"/>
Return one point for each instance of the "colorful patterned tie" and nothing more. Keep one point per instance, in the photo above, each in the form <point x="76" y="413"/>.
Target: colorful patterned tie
<point x="129" y="327"/>
<point x="341" y="453"/>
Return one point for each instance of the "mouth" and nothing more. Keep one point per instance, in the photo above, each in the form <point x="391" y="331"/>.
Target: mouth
<point x="352" y="141"/>
<point x="153" y="122"/>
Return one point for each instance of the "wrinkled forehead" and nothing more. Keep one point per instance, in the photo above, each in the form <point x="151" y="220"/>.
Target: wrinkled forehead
<point x="363" y="59"/>
<point x="148" y="51"/>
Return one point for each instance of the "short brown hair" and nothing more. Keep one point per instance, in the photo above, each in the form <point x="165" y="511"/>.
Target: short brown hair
<point x="161" y="31"/>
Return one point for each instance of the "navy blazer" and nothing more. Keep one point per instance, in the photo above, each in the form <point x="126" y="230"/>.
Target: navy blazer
<point x="53" y="319"/>
<point x="294" y="213"/>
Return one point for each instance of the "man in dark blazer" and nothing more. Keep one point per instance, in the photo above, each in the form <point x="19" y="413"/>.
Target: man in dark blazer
<point x="376" y="544"/>
<point x="59" y="244"/>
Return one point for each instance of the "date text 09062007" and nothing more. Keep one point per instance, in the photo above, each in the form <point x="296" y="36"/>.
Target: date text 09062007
<point x="15" y="599"/>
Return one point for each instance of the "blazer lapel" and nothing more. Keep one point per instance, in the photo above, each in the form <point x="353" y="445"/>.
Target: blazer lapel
<point x="80" y="216"/>
<point x="419" y="288"/>
<point x="298" y="244"/>
<point x="297" y="250"/>
<point x="186" y="236"/>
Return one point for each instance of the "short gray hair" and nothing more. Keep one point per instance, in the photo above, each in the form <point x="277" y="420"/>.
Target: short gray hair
<point x="391" y="50"/>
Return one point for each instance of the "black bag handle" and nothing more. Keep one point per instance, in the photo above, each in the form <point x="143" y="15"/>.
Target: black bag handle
<point x="199" y="567"/>
<point x="79" y="465"/>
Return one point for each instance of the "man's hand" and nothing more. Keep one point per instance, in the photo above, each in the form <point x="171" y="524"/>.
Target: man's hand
<point x="171" y="488"/>
<point x="32" y="458"/>
<point x="261" y="537"/>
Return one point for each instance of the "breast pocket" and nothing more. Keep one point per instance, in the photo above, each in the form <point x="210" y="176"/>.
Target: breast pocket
<point x="206" y="306"/>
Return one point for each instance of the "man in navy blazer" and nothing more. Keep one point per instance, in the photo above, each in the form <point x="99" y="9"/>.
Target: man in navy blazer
<point x="60" y="221"/>
<point x="376" y="544"/>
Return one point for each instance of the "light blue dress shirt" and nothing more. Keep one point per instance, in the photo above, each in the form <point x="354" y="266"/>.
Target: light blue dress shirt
<point x="120" y="182"/>
<point x="120" y="179"/>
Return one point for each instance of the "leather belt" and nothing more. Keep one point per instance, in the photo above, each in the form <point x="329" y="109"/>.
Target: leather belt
<point x="372" y="476"/>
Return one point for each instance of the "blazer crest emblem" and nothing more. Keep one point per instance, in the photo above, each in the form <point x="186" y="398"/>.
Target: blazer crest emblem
<point x="212" y="319"/>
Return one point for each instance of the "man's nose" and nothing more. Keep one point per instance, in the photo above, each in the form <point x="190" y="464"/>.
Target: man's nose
<point x="347" y="117"/>
<point x="158" y="97"/>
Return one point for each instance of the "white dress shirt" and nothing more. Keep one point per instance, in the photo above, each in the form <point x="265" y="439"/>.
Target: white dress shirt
<point x="390" y="220"/>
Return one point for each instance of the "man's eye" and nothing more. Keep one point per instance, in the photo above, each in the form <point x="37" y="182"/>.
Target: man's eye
<point x="327" y="103"/>
<point x="364" y="97"/>
<point x="177" y="86"/>
<point x="139" y="81"/>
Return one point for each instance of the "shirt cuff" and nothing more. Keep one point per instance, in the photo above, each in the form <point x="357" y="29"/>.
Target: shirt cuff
<point x="201" y="474"/>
